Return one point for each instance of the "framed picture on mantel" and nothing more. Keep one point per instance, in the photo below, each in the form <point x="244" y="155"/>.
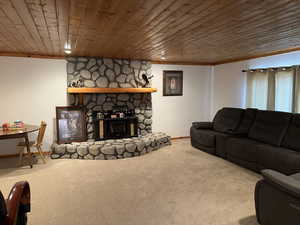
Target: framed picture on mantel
<point x="172" y="83"/>
<point x="70" y="124"/>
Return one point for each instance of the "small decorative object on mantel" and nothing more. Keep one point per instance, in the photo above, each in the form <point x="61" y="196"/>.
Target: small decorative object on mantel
<point x="172" y="83"/>
<point x="71" y="124"/>
<point x="146" y="79"/>
<point x="76" y="83"/>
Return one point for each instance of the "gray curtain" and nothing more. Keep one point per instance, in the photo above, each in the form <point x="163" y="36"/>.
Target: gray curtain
<point x="249" y="100"/>
<point x="271" y="89"/>
<point x="296" y="92"/>
<point x="261" y="89"/>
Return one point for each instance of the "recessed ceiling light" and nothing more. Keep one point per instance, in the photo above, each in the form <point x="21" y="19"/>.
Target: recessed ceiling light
<point x="68" y="51"/>
<point x="163" y="58"/>
<point x="67" y="48"/>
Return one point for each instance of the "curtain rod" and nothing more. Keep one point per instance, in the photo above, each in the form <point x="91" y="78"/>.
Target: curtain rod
<point x="274" y="68"/>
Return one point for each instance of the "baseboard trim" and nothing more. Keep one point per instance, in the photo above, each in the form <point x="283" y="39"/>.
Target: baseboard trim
<point x="16" y="155"/>
<point x="178" y="138"/>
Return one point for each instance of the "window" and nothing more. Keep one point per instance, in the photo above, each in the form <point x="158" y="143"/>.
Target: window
<point x="274" y="89"/>
<point x="284" y="91"/>
<point x="258" y="90"/>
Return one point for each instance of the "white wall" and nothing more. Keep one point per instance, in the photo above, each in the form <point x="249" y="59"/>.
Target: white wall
<point x="30" y="89"/>
<point x="229" y="83"/>
<point x="174" y="114"/>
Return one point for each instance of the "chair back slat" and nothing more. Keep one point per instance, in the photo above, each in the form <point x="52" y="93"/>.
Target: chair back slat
<point x="41" y="133"/>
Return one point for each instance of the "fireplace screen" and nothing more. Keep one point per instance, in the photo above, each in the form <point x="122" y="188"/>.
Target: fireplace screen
<point x="115" y="128"/>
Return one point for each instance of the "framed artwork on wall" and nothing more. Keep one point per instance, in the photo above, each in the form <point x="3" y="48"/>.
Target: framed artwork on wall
<point x="71" y="124"/>
<point x="172" y="83"/>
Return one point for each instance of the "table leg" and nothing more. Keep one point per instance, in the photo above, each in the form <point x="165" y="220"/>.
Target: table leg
<point x="28" y="149"/>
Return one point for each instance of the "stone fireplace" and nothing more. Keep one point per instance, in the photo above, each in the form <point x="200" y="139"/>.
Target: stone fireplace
<point x="113" y="73"/>
<point x="90" y="72"/>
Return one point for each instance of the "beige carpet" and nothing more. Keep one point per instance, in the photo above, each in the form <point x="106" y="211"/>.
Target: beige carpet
<point x="176" y="185"/>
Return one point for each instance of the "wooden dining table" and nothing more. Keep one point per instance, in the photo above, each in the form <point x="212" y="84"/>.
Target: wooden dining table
<point x="20" y="133"/>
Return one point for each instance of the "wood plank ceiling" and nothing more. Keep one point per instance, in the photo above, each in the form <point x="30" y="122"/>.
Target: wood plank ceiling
<point x="188" y="31"/>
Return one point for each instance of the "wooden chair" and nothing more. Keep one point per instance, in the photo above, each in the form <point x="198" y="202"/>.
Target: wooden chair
<point x="13" y="210"/>
<point x="38" y="144"/>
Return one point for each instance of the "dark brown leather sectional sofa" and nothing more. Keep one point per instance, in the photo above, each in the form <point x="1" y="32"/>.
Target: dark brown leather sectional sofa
<point x="254" y="139"/>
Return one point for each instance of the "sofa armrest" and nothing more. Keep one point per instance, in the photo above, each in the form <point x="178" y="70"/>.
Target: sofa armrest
<point x="18" y="204"/>
<point x="203" y="125"/>
<point x="284" y="182"/>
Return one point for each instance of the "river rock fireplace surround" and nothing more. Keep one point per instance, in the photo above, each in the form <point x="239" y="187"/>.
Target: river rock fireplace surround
<point x="108" y="75"/>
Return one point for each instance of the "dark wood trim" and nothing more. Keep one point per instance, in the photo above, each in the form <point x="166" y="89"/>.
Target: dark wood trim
<point x="178" y="138"/>
<point x="25" y="55"/>
<point x="278" y="52"/>
<point x="184" y="63"/>
<point x="17" y="155"/>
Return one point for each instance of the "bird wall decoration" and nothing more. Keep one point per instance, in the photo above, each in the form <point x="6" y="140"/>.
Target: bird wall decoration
<point x="146" y="79"/>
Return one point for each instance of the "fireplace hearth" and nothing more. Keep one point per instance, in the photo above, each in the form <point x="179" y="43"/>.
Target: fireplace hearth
<point x="112" y="134"/>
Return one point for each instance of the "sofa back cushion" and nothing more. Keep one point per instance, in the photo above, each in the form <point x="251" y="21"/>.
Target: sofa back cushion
<point x="227" y="120"/>
<point x="247" y="121"/>
<point x="270" y="127"/>
<point x="292" y="138"/>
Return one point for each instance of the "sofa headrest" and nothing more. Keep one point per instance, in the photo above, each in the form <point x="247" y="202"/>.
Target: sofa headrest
<point x="270" y="126"/>
<point x="291" y="139"/>
<point x="247" y="121"/>
<point x="227" y="119"/>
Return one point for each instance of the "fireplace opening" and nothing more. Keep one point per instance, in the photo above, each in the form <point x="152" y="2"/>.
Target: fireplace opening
<point x="114" y="124"/>
<point x="117" y="128"/>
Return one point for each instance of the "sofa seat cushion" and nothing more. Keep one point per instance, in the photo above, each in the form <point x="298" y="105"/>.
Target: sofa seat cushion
<point x="270" y="127"/>
<point x="221" y="140"/>
<point x="242" y="148"/>
<point x="227" y="120"/>
<point x="277" y="158"/>
<point x="291" y="139"/>
<point x="204" y="137"/>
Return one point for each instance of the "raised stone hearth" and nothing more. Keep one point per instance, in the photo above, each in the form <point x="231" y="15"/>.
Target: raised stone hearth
<point x="111" y="149"/>
<point x="90" y="72"/>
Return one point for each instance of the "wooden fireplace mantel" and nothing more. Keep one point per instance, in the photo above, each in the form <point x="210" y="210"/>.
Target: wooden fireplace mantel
<point x="82" y="91"/>
<point x="110" y="90"/>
